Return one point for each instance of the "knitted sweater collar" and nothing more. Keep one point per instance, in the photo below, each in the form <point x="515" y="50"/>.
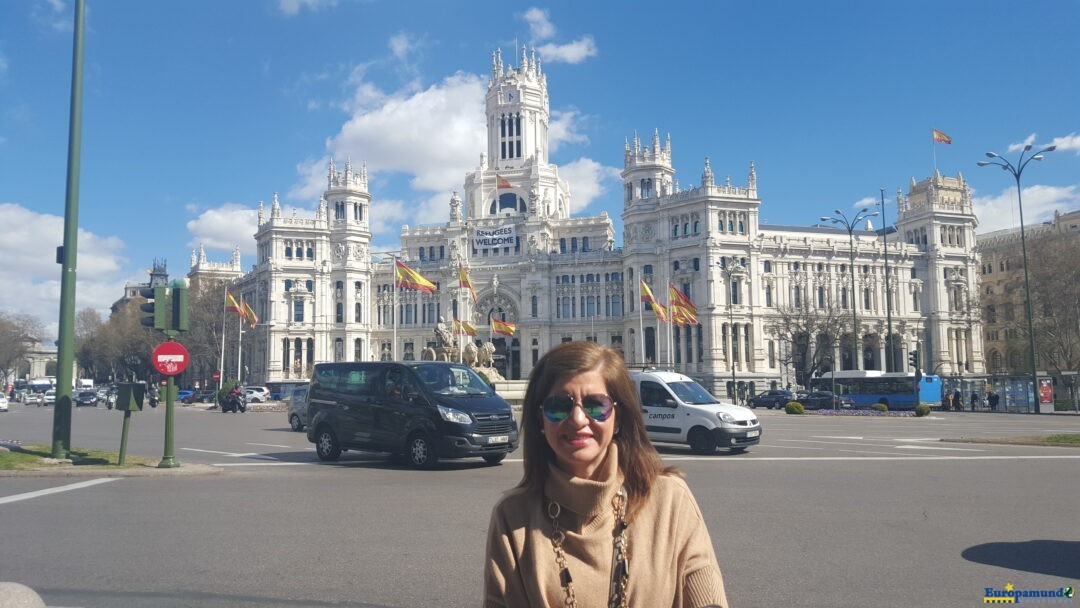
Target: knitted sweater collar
<point x="586" y="497"/>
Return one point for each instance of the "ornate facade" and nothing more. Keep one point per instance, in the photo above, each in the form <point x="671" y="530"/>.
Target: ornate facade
<point x="322" y="295"/>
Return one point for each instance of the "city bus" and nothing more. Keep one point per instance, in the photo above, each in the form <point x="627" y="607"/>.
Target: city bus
<point x="898" y="390"/>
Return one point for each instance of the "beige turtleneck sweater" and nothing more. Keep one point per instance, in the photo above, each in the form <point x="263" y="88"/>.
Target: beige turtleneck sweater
<point x="671" y="556"/>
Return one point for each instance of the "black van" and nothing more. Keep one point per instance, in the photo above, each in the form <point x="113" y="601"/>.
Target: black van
<point x="425" y="410"/>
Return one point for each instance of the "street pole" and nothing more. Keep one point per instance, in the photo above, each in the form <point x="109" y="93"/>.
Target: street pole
<point x="1016" y="172"/>
<point x="66" y="255"/>
<point x="728" y="273"/>
<point x="890" y="355"/>
<point x="849" y="224"/>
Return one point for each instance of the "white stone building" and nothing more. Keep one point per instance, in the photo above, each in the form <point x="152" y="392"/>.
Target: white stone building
<point x="322" y="296"/>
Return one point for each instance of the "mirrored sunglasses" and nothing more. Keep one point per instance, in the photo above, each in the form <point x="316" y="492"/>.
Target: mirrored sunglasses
<point x="558" y="407"/>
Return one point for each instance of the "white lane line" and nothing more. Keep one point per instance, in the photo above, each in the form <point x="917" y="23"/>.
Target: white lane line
<point x="834" y="437"/>
<point x="867" y="452"/>
<point x="233" y="454"/>
<point x="871" y="458"/>
<point x="270" y="445"/>
<point x="865" y="445"/>
<point x="931" y="447"/>
<point x="74" y="486"/>
<point x="794" y="447"/>
<point x="262" y="464"/>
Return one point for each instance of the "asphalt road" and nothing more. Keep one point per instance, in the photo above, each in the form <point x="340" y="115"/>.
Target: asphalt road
<point x="825" y="512"/>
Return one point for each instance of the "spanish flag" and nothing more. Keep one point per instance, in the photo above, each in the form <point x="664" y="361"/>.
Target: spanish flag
<point x="499" y="327"/>
<point x="646" y="293"/>
<point x="463" y="328"/>
<point x="940" y="137"/>
<point x="231" y="305"/>
<point x="501" y="182"/>
<point x="249" y="314"/>
<point x="679" y="299"/>
<point x="410" y="279"/>
<point x="682" y="316"/>
<point x="661" y="312"/>
<point x="465" y="281"/>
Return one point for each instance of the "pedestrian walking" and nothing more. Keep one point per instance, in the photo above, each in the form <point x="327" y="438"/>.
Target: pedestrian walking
<point x="993" y="400"/>
<point x="595" y="496"/>
<point x="974" y="400"/>
<point x="958" y="400"/>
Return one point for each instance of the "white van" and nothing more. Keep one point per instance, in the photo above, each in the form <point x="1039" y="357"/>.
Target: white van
<point x="679" y="410"/>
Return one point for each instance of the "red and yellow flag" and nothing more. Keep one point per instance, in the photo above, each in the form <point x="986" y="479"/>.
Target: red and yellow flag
<point x="500" y="327"/>
<point x="463" y="328"/>
<point x="647" y="296"/>
<point x="248" y="313"/>
<point x="465" y="281"/>
<point x="410" y="279"/>
<point x="940" y="137"/>
<point x="661" y="312"/>
<point x="646" y="293"/>
<point x="231" y="305"/>
<point x="682" y="309"/>
<point x="502" y="183"/>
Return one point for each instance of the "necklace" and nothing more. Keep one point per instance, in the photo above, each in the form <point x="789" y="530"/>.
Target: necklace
<point x="620" y="556"/>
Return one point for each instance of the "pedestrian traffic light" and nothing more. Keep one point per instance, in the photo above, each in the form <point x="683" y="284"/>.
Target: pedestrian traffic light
<point x="157" y="304"/>
<point x="913" y="359"/>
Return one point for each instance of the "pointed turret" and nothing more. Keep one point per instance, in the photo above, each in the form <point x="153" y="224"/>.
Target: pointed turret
<point x="262" y="214"/>
<point x="275" y="207"/>
<point x="751" y="181"/>
<point x="707" y="177"/>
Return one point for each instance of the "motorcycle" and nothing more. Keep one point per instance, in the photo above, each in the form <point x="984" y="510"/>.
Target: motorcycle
<point x="233" y="403"/>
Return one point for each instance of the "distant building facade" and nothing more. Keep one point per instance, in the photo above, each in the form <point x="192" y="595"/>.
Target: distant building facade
<point x="321" y="295"/>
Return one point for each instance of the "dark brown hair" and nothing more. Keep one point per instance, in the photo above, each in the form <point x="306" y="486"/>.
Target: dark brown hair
<point x="638" y="460"/>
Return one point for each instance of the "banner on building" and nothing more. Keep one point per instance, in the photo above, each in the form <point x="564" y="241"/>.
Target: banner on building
<point x="502" y="236"/>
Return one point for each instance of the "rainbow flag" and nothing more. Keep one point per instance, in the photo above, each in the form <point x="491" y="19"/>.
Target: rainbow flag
<point x="463" y="328"/>
<point x="499" y="327"/>
<point x="465" y="281"/>
<point x="940" y="137"/>
<point x="248" y="314"/>
<point x="410" y="279"/>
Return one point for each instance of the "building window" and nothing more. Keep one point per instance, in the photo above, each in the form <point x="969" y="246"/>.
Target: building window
<point x="339" y="313"/>
<point x="768" y="296"/>
<point x="797" y="293"/>
<point x="768" y="266"/>
<point x="310" y="286"/>
<point x="821" y="297"/>
<point x="533" y="306"/>
<point x="298" y="311"/>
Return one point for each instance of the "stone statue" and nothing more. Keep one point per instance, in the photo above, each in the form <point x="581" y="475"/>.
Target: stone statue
<point x="485" y="357"/>
<point x="469" y="354"/>
<point x="443" y="334"/>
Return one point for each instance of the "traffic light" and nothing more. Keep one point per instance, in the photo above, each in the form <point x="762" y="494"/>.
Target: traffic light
<point x="913" y="359"/>
<point x="157" y="303"/>
<point x="179" y="302"/>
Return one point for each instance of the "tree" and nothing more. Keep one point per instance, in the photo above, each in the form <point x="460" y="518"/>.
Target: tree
<point x="1055" y="302"/>
<point x="812" y="335"/>
<point x="18" y="334"/>
<point x="88" y="355"/>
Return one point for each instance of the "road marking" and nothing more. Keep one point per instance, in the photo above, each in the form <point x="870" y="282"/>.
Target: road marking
<point x="270" y="445"/>
<point x="233" y="454"/>
<point x="867" y="445"/>
<point x="834" y="437"/>
<point x="262" y="464"/>
<point x="74" y="486"/>
<point x="750" y="458"/>
<point x="866" y="452"/>
<point x="795" y="447"/>
<point x="931" y="447"/>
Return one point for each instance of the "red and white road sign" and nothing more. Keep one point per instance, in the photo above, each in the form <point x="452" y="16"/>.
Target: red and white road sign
<point x="170" y="358"/>
<point x="215" y="376"/>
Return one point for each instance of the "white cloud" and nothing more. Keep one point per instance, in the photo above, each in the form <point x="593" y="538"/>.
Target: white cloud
<point x="293" y="7"/>
<point x="3" y="65"/>
<point x="1067" y="143"/>
<point x="225" y="227"/>
<point x="33" y="276"/>
<point x="1040" y="202"/>
<point x="1029" y="140"/>
<point x="589" y="180"/>
<point x="54" y="15"/>
<point x="865" y="203"/>
<point x="401" y="44"/>
<point x="564" y="129"/>
<point x="434" y="134"/>
<point x="540" y="27"/>
<point x="571" y="52"/>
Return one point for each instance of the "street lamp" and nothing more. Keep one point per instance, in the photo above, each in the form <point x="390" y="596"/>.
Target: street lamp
<point x="840" y="218"/>
<point x="1016" y="171"/>
<point x="890" y="354"/>
<point x="730" y="272"/>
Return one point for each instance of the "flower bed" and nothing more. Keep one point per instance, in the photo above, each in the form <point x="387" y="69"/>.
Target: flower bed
<point x="860" y="413"/>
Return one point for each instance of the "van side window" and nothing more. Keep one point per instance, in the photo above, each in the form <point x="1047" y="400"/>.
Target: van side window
<point x="358" y="382"/>
<point x="653" y="394"/>
<point x="326" y="378"/>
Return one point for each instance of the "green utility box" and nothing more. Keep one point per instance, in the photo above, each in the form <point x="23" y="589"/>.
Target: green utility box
<point x="129" y="397"/>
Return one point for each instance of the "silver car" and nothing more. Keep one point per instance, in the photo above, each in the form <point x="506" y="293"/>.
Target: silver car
<point x="298" y="408"/>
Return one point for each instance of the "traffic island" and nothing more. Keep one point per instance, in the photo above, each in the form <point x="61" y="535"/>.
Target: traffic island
<point x="18" y="459"/>
<point x="1054" y="441"/>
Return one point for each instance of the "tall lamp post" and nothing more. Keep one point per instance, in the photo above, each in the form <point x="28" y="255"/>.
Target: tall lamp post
<point x="890" y="352"/>
<point x="840" y="218"/>
<point x="1017" y="170"/>
<point x="729" y="272"/>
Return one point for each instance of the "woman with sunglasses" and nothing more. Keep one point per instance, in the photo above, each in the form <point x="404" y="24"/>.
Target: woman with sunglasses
<point x="596" y="520"/>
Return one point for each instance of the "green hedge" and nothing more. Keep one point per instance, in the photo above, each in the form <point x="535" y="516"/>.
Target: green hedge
<point x="794" y="407"/>
<point x="922" y="410"/>
<point x="879" y="407"/>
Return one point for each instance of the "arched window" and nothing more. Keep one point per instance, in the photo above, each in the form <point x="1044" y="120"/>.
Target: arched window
<point x="507" y="201"/>
<point x="562" y="245"/>
<point x="339" y="313"/>
<point x="674" y="230"/>
<point x="797" y="295"/>
<point x="686" y="228"/>
<point x="310" y="286"/>
<point x="584" y="243"/>
<point x="629" y="191"/>
<point x="768" y="266"/>
<point x="675" y="266"/>
<point x="573" y="244"/>
<point x="288" y="250"/>
<point x="697" y="226"/>
<point x="741" y="228"/>
<point x="356" y="313"/>
<point x="310" y="252"/>
<point x="431" y="253"/>
<point x="533" y="306"/>
<point x="288" y="284"/>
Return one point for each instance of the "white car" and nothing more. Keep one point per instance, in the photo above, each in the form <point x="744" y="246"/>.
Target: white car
<point x="50" y="397"/>
<point x="254" y="395"/>
<point x="3" y="403"/>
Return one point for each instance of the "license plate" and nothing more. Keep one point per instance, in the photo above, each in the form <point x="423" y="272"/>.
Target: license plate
<point x="753" y="433"/>
<point x="499" y="439"/>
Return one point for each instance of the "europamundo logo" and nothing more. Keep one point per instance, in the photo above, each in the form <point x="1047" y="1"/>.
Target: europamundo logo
<point x="1011" y="595"/>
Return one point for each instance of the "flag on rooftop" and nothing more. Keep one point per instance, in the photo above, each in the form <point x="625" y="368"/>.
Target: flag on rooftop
<point x="941" y="138"/>
<point x="502" y="183"/>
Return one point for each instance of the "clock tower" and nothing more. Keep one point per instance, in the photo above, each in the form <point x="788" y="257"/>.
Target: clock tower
<point x="517" y="113"/>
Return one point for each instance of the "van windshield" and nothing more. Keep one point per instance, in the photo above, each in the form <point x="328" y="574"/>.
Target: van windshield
<point x="455" y="380"/>
<point x="691" y="393"/>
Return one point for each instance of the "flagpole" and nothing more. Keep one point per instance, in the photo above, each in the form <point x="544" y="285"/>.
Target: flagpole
<point x="221" y="361"/>
<point x="933" y="148"/>
<point x="641" y="324"/>
<point x="239" y="351"/>
<point x="393" y="309"/>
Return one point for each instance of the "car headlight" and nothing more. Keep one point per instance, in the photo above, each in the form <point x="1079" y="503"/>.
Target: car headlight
<point x="726" y="417"/>
<point x="449" y="414"/>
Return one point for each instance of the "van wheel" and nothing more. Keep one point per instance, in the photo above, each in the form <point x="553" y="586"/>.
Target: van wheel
<point x="494" y="458"/>
<point x="294" y="422"/>
<point x="701" y="441"/>
<point x="421" y="452"/>
<point x="326" y="444"/>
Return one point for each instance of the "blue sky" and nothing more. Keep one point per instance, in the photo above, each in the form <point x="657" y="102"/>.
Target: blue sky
<point x="195" y="111"/>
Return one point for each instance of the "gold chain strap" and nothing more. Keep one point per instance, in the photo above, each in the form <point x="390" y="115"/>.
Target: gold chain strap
<point x="620" y="567"/>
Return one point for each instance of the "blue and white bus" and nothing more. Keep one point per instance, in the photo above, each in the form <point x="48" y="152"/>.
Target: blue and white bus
<point x="898" y="390"/>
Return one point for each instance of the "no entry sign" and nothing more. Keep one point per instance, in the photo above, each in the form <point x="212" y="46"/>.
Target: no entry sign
<point x="170" y="358"/>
